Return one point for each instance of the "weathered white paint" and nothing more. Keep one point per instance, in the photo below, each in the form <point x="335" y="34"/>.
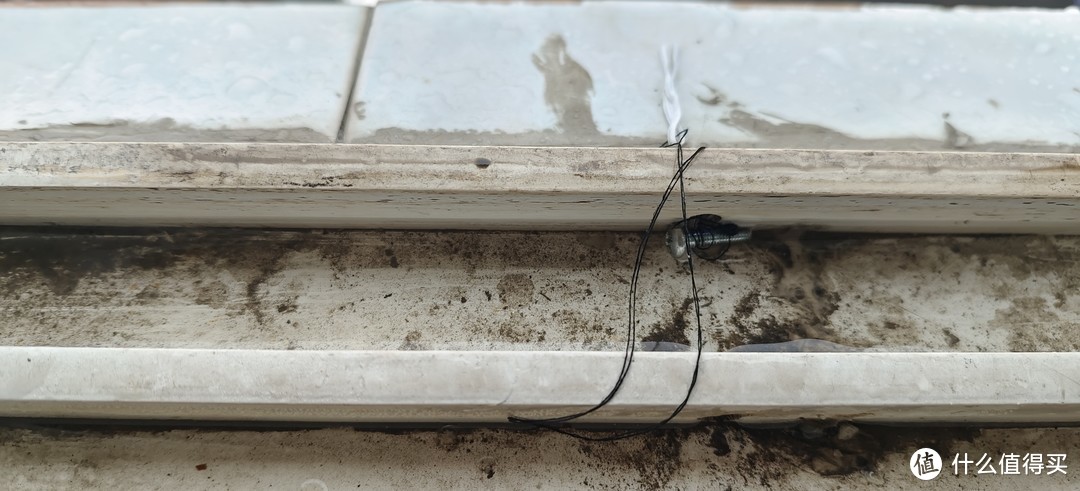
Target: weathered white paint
<point x="562" y="188"/>
<point x="190" y="72"/>
<point x="487" y="386"/>
<point x="871" y="77"/>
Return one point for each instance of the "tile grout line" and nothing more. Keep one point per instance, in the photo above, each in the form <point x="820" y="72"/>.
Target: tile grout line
<point x="361" y="46"/>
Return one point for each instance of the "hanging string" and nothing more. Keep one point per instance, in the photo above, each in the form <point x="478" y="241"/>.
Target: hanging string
<point x="669" y="61"/>
<point x="673" y="113"/>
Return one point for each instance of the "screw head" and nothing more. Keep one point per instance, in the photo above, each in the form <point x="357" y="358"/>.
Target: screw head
<point x="705" y="236"/>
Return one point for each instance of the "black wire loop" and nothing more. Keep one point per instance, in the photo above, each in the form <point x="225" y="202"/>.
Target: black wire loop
<point x="555" y="423"/>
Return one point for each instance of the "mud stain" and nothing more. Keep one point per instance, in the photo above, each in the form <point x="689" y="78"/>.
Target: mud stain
<point x="724" y="454"/>
<point x="673" y="330"/>
<point x="77" y="263"/>
<point x="214" y="295"/>
<point x="577" y="328"/>
<point x="516" y="289"/>
<point x="799" y="282"/>
<point x="518" y="331"/>
<point x="548" y="137"/>
<point x="714" y="98"/>
<point x="567" y="87"/>
<point x="162" y="130"/>
<point x="1034" y="325"/>
<point x="412" y="341"/>
<point x="954" y="138"/>
<point x="815" y="274"/>
<point x="64" y="263"/>
<point x="828" y="448"/>
<point x="656" y="459"/>
<point x="791" y="134"/>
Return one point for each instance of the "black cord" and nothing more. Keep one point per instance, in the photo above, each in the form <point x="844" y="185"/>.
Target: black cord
<point x="628" y="354"/>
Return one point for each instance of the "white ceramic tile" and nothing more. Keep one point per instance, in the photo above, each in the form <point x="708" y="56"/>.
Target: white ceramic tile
<point x="177" y="72"/>
<point x="785" y="77"/>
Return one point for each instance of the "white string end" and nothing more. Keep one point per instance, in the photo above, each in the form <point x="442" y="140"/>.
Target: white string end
<point x="669" y="58"/>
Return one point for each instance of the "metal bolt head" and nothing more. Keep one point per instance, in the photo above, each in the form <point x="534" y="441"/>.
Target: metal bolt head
<point x="676" y="242"/>
<point x="706" y="236"/>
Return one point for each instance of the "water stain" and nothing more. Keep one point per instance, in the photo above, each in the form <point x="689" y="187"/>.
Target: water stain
<point x="567" y="87"/>
<point x="715" y="97"/>
<point x="954" y="138"/>
<point x="162" y="130"/>
<point x="791" y="134"/>
<point x="548" y="137"/>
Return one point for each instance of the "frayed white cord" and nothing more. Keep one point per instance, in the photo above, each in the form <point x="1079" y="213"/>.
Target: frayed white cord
<point x="669" y="58"/>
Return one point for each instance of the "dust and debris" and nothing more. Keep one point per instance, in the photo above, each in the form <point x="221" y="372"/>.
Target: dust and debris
<point x="534" y="291"/>
<point x="214" y="294"/>
<point x="62" y="264"/>
<point x="162" y="130"/>
<point x="516" y="289"/>
<point x="715" y="454"/>
<point x="656" y="459"/>
<point x="799" y="283"/>
<point x="910" y="292"/>
<point x="487" y="467"/>
<point x="951" y="338"/>
<point x="393" y="258"/>
<point x="95" y="263"/>
<point x="1027" y="319"/>
<point x="287" y="307"/>
<point x="547" y="137"/>
<point x="673" y="330"/>
<point x="579" y="328"/>
<point x="831" y="448"/>
<point x="516" y="330"/>
<point x="412" y="341"/>
<point x="791" y="134"/>
<point x="954" y="138"/>
<point x="714" y="98"/>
